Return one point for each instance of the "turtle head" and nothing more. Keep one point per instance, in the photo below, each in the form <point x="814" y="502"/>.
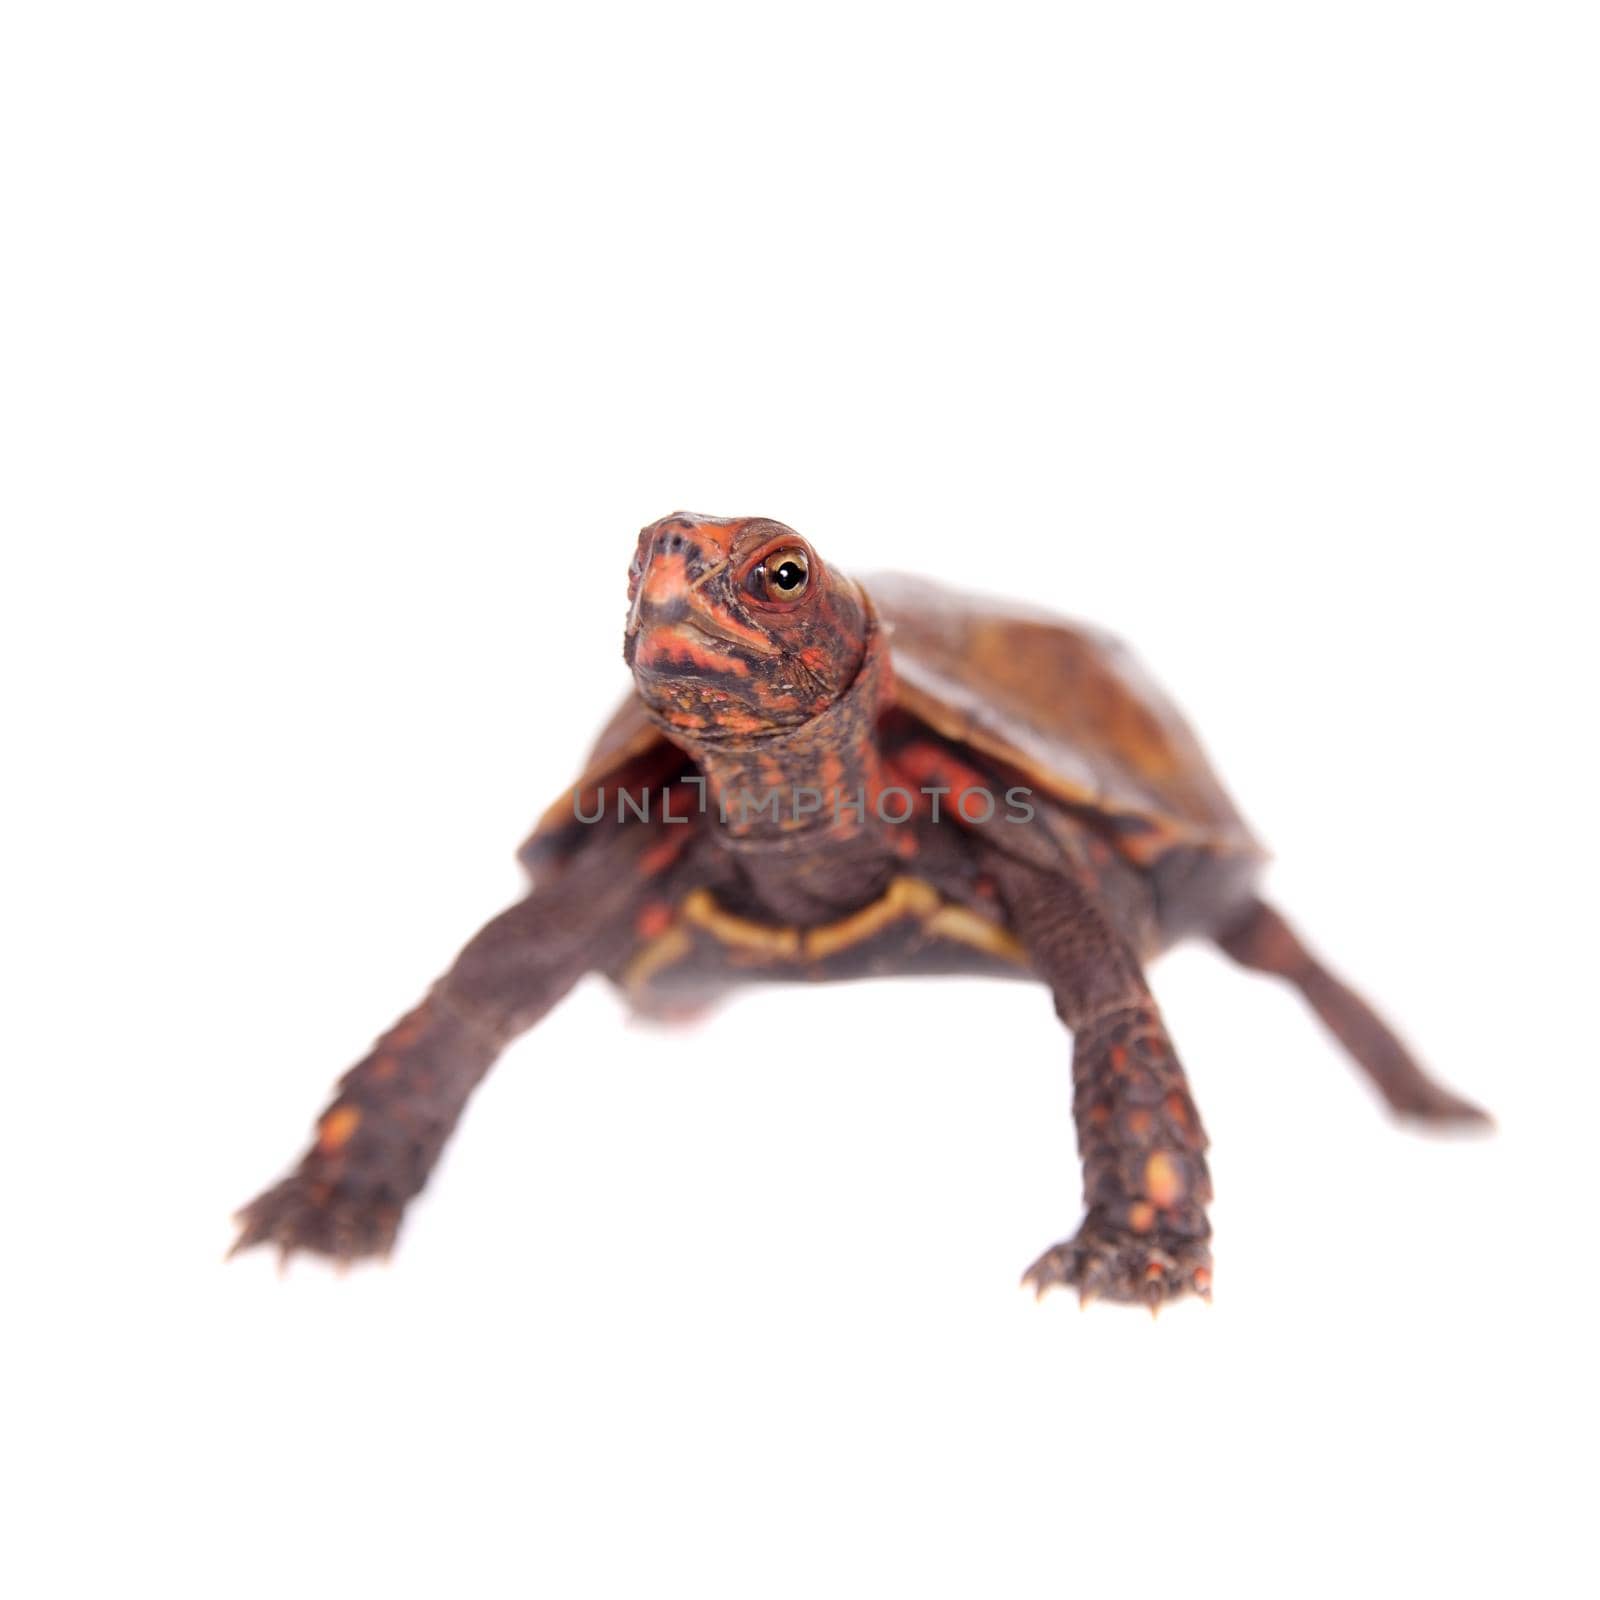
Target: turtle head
<point x="737" y="628"/>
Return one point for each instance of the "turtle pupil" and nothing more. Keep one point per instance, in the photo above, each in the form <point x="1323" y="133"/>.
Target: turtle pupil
<point x="789" y="576"/>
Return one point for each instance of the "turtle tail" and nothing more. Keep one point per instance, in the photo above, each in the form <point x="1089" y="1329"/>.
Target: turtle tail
<point x="1259" y="938"/>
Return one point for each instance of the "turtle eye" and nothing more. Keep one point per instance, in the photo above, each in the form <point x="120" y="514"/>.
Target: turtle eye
<point x="782" y="577"/>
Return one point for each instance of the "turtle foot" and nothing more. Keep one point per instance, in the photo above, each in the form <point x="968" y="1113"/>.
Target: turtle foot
<point x="333" y="1217"/>
<point x="1431" y="1105"/>
<point x="1105" y="1262"/>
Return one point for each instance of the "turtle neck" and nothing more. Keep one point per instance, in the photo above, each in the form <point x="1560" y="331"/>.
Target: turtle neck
<point x="798" y="788"/>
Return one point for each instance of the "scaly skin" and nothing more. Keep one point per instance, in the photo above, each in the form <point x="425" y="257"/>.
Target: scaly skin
<point x="377" y="1142"/>
<point x="1146" y="1237"/>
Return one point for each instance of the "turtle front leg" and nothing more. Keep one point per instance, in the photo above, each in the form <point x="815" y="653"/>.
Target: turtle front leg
<point x="379" y="1138"/>
<point x="1145" y="1237"/>
<point x="377" y="1141"/>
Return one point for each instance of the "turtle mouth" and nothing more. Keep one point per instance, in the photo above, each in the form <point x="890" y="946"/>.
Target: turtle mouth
<point x="687" y="648"/>
<point x="709" y="626"/>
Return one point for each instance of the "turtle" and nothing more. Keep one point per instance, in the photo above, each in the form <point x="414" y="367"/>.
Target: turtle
<point x="817" y="779"/>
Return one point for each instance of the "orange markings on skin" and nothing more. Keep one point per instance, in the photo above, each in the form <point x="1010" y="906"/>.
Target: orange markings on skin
<point x="732" y="722"/>
<point x="668" y="580"/>
<point x="664" y="647"/>
<point x="684" y="721"/>
<point x="718" y="536"/>
<point x="408" y="1029"/>
<point x="1163" y="1182"/>
<point x="660" y="856"/>
<point x="336" y="1128"/>
<point x="830" y="776"/>
<point x="1139" y="1122"/>
<point x="382" y="1068"/>
<point x="1141" y="1216"/>
<point x="1119" y="1058"/>
<point x="679" y="803"/>
<point x="899" y="777"/>
<point x="653" y="920"/>
<point x="1178" y="1110"/>
<point x="927" y="765"/>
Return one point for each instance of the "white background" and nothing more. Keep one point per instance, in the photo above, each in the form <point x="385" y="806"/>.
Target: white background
<point x="344" y="351"/>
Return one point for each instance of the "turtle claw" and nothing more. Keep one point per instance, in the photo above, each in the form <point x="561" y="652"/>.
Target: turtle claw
<point x="336" y="1219"/>
<point x="1104" y="1262"/>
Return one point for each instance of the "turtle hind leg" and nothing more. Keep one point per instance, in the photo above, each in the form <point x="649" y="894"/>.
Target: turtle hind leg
<point x="1260" y="939"/>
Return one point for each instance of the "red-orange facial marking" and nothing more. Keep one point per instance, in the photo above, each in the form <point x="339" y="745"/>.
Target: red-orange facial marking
<point x="711" y="651"/>
<point x="738" y="722"/>
<point x="653" y="920"/>
<point x="669" y="585"/>
<point x="716" y="536"/>
<point x="334" y="1132"/>
<point x="665" y="648"/>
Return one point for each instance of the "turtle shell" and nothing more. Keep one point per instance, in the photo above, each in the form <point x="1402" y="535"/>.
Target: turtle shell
<point x="1068" y="706"/>
<point x="1065" y="706"/>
